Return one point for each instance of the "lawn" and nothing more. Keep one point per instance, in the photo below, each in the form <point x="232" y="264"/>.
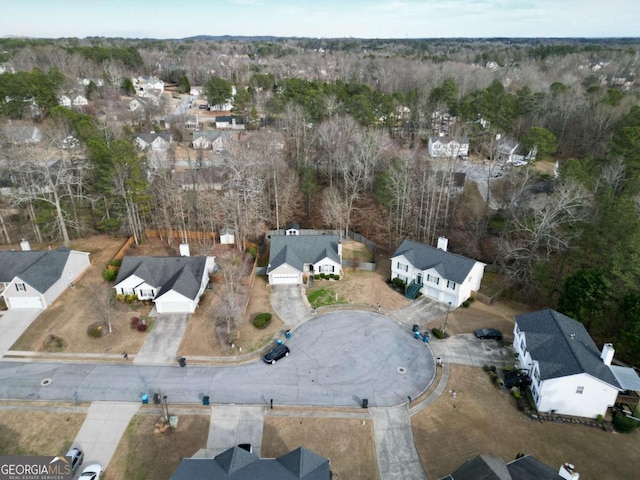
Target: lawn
<point x="324" y="296"/>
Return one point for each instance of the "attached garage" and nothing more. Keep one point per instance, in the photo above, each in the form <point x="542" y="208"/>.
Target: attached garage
<point x="173" y="307"/>
<point x="282" y="279"/>
<point x="24" y="302"/>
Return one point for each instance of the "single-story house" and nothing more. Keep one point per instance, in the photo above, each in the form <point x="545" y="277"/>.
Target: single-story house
<point x="174" y="284"/>
<point x="211" y="139"/>
<point x="239" y="464"/>
<point x="35" y="279"/>
<point x="154" y="140"/>
<point x="291" y="257"/>
<point x="445" y="146"/>
<point x="435" y="272"/>
<point x="229" y="123"/>
<point x="80" y="100"/>
<point x="569" y="375"/>
<point x="526" y="467"/>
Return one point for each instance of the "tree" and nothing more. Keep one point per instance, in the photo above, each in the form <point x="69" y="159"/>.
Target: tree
<point x="127" y="87"/>
<point x="183" y="85"/>
<point x="217" y="90"/>
<point x="584" y="297"/>
<point x="541" y="140"/>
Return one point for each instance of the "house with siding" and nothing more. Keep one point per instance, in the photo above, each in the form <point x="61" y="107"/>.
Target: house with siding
<point x="445" y="146"/>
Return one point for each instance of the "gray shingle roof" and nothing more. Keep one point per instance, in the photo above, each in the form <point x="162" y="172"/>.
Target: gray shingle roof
<point x="530" y="468"/>
<point x="150" y="137"/>
<point x="238" y="464"/>
<point x="181" y="274"/>
<point x="296" y="250"/>
<point x="562" y="346"/>
<point x="484" y="467"/>
<point x="211" y="135"/>
<point x="39" y="269"/>
<point x="450" y="265"/>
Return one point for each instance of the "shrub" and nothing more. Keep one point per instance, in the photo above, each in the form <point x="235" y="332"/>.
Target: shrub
<point x="438" y="333"/>
<point x="316" y="276"/>
<point x="497" y="381"/>
<point x="135" y="321"/>
<point x="471" y="299"/>
<point x="465" y="304"/>
<point x="120" y="297"/>
<point x="141" y="327"/>
<point x="262" y="320"/>
<point x="485" y="367"/>
<point x="624" y="424"/>
<point x="399" y="283"/>
<point x="600" y="418"/>
<point x="516" y="394"/>
<point x="116" y="263"/>
<point x="130" y="298"/>
<point x="109" y="275"/>
<point x="253" y="251"/>
<point x="53" y="343"/>
<point x="95" y="330"/>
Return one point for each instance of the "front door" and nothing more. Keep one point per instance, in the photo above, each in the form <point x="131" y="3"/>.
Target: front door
<point x="419" y="279"/>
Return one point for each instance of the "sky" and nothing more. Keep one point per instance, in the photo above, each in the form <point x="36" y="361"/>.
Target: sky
<point x="320" y="18"/>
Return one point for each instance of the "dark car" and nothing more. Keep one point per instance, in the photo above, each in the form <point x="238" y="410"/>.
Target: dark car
<point x="77" y="457"/>
<point x="203" y="107"/>
<point x="517" y="378"/>
<point x="489" y="333"/>
<point x="278" y="352"/>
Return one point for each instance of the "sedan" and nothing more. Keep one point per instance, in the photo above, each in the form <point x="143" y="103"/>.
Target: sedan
<point x="278" y="352"/>
<point x="91" y="472"/>
<point x="489" y="333"/>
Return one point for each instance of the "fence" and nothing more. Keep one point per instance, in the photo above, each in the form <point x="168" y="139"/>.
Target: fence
<point x="487" y="300"/>
<point x="359" y="238"/>
<point x="368" y="266"/>
<point x="187" y="235"/>
<point x="123" y="249"/>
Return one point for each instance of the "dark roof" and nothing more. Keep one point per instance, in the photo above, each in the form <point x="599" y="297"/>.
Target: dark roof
<point x="484" y="467"/>
<point x="230" y="119"/>
<point x="292" y="226"/>
<point x="450" y="265"/>
<point x="39" y="269"/>
<point x="238" y="464"/>
<point x="181" y="274"/>
<point x="211" y="135"/>
<point x="562" y="346"/>
<point x="296" y="250"/>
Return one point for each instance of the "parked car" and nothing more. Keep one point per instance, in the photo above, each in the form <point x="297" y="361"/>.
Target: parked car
<point x="489" y="334"/>
<point x="91" y="472"/>
<point x="203" y="107"/>
<point x="278" y="352"/>
<point x="77" y="457"/>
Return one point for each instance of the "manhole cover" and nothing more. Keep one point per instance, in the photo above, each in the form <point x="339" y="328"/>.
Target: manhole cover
<point x="45" y="382"/>
<point x="402" y="369"/>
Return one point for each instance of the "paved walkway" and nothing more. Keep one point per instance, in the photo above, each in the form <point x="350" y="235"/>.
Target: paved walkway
<point x="102" y="429"/>
<point x="232" y="425"/>
<point x="13" y="323"/>
<point x="163" y="341"/>
<point x="288" y="304"/>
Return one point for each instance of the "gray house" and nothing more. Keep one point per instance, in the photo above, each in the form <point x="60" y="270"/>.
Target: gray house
<point x="293" y="256"/>
<point x="484" y="467"/>
<point x="238" y="464"/>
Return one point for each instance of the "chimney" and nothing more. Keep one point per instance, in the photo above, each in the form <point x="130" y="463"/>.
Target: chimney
<point x="607" y="353"/>
<point x="184" y="250"/>
<point x="568" y="472"/>
<point x="24" y="245"/>
<point x="340" y="250"/>
<point x="443" y="242"/>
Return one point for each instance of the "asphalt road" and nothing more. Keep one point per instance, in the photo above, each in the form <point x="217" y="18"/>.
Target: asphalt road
<point x="337" y="359"/>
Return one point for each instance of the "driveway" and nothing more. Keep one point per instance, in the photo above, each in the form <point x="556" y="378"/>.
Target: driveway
<point x="337" y="359"/>
<point x="232" y="425"/>
<point x="420" y="311"/>
<point x="287" y="302"/>
<point x="163" y="341"/>
<point x="466" y="349"/>
<point x="13" y="323"/>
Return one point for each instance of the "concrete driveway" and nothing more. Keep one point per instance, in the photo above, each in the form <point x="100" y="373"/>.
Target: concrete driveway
<point x="13" y="323"/>
<point x="163" y="341"/>
<point x="466" y="349"/>
<point x="287" y="302"/>
<point x="337" y="359"/>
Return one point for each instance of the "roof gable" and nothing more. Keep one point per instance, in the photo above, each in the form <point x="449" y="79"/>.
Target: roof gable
<point x="39" y="269"/>
<point x="302" y="463"/>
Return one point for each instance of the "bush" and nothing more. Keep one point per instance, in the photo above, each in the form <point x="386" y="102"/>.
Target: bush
<point x="466" y="304"/>
<point x="53" y="343"/>
<point x="399" y="283"/>
<point x="141" y="327"/>
<point x="624" y="424"/>
<point x="438" y="333"/>
<point x="516" y="394"/>
<point x="115" y="263"/>
<point x="497" y="381"/>
<point x="316" y="276"/>
<point x="109" y="275"/>
<point x="600" y="418"/>
<point x="120" y="297"/>
<point x="135" y="321"/>
<point x="130" y="298"/>
<point x="253" y="251"/>
<point x="262" y="320"/>
<point x="95" y="330"/>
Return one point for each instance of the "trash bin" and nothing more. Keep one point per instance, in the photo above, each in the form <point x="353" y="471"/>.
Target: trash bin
<point x="156" y="398"/>
<point x="183" y="362"/>
<point x="425" y="338"/>
<point x="416" y="334"/>
<point x="205" y="400"/>
<point x="145" y="399"/>
<point x="365" y="403"/>
<point x="287" y="334"/>
<point x="415" y="328"/>
<point x="279" y="341"/>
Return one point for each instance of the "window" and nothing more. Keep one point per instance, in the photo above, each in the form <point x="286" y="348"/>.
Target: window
<point x="146" y="293"/>
<point x="326" y="269"/>
<point x="579" y="390"/>
<point x="536" y="375"/>
<point x="522" y="346"/>
<point x="451" y="285"/>
<point x="433" y="279"/>
<point x="402" y="267"/>
<point x="21" y="287"/>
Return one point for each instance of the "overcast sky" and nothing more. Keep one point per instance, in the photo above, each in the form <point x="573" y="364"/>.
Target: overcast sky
<point x="321" y="18"/>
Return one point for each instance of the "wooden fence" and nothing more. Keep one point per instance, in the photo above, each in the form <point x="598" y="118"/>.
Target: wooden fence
<point x="123" y="249"/>
<point x="188" y="235"/>
<point x="487" y="300"/>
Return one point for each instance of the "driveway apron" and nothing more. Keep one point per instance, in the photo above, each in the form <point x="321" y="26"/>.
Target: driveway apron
<point x="287" y="302"/>
<point x="13" y="324"/>
<point x="466" y="349"/>
<point x="232" y="425"/>
<point x="163" y="341"/>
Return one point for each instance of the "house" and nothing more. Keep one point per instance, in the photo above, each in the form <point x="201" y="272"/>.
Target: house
<point x="507" y="151"/>
<point x="211" y="139"/>
<point x="79" y="101"/>
<point x="435" y="272"/>
<point x="64" y="101"/>
<point x="174" y="284"/>
<point x="239" y="464"/>
<point x="292" y="257"/>
<point x="445" y="146"/>
<point x="21" y="134"/>
<point x="229" y="123"/>
<point x="524" y="468"/>
<point x="227" y="236"/>
<point x="189" y="121"/>
<point x="35" y="279"/>
<point x="143" y="103"/>
<point x="569" y="375"/>
<point x="148" y="84"/>
<point x="153" y="140"/>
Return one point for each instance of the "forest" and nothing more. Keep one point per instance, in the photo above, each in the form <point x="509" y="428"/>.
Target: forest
<point x="337" y="134"/>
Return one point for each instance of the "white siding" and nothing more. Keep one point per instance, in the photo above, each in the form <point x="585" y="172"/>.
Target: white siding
<point x="173" y="302"/>
<point x="285" y="275"/>
<point x="560" y="394"/>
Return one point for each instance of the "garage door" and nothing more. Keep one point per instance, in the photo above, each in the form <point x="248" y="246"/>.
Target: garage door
<point x="172" y="307"/>
<point x="24" y="302"/>
<point x="284" y="279"/>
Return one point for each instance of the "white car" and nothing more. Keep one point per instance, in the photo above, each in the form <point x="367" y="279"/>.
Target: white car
<point x="91" y="472"/>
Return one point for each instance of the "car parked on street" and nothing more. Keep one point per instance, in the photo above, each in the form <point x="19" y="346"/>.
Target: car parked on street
<point x="77" y="457"/>
<point x="91" y="472"/>
<point x="278" y="352"/>
<point x="488" y="334"/>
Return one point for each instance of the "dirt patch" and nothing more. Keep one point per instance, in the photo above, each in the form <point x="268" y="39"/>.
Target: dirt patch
<point x="37" y="433"/>
<point x="486" y="421"/>
<point x="348" y="443"/>
<point x="356" y="252"/>
<point x="141" y="454"/>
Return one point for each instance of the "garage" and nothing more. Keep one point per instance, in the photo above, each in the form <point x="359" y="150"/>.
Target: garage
<point x="282" y="279"/>
<point x="173" y="307"/>
<point x="24" y="302"/>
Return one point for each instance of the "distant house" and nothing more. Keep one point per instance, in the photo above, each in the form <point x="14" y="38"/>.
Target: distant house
<point x="154" y="141"/>
<point x="141" y="104"/>
<point x="569" y="374"/>
<point x="239" y="464"/>
<point x="35" y="279"/>
<point x="174" y="284"/>
<point x="148" y="84"/>
<point x="291" y="257"/>
<point x="484" y="467"/>
<point x="507" y="151"/>
<point x="229" y="123"/>
<point x="211" y="139"/>
<point x="435" y="272"/>
<point x="188" y="121"/>
<point x="20" y="134"/>
<point x="80" y="101"/>
<point x="64" y="101"/>
<point x="445" y="146"/>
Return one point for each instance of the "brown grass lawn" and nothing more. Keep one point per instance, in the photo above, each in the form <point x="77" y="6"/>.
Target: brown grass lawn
<point x="485" y="421"/>
<point x="141" y="455"/>
<point x="346" y="442"/>
<point x="37" y="433"/>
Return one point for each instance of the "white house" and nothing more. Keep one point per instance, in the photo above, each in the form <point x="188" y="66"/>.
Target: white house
<point x="154" y="141"/>
<point x="174" y="284"/>
<point x="79" y="101"/>
<point x="64" y="101"/>
<point x="211" y="140"/>
<point x="569" y="374"/>
<point x="143" y="103"/>
<point x="148" y="84"/>
<point x="436" y="273"/>
<point x="291" y="257"/>
<point x="35" y="279"/>
<point x="445" y="146"/>
<point x="507" y="151"/>
<point x="229" y="123"/>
